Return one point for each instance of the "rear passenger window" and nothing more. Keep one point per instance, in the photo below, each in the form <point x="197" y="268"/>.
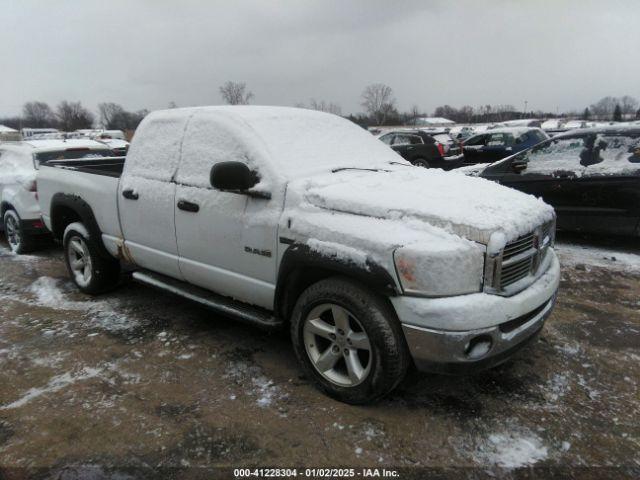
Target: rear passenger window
<point x="612" y="154"/>
<point x="156" y="152"/>
<point x="499" y="140"/>
<point x="522" y="138"/>
<point x="407" y="140"/>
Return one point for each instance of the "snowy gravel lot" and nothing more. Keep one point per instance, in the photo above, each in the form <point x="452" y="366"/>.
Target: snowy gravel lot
<point x="137" y="379"/>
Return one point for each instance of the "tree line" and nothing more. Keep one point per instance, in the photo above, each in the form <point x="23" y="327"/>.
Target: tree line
<point x="69" y="116"/>
<point x="377" y="100"/>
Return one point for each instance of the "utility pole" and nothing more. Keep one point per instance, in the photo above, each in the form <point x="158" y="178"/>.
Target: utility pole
<point x="524" y="114"/>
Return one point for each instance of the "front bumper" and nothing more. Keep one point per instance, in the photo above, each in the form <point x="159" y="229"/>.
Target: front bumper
<point x="480" y="330"/>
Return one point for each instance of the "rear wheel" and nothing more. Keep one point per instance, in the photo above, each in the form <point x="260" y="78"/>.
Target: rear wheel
<point x="19" y="241"/>
<point x="348" y="340"/>
<point x="421" y="162"/>
<point x="91" y="272"/>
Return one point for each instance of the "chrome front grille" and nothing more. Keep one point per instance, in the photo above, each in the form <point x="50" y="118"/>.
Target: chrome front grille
<point x="518" y="246"/>
<point x="518" y="260"/>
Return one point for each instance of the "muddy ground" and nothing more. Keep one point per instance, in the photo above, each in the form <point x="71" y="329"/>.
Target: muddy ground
<point x="124" y="384"/>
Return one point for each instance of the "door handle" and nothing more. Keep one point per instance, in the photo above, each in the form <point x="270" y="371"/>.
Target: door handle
<point x="130" y="194"/>
<point x="188" y="206"/>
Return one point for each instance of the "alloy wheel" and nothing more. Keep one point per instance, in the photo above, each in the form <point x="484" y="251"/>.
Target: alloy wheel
<point x="79" y="260"/>
<point x="337" y="345"/>
<point x="12" y="230"/>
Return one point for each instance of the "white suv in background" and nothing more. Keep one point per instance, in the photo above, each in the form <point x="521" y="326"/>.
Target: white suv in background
<point x="19" y="210"/>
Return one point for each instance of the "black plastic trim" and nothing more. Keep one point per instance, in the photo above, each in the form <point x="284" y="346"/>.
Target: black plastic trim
<point x="299" y="258"/>
<point x="84" y="211"/>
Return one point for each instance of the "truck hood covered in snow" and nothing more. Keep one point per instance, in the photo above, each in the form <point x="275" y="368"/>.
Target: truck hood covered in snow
<point x="472" y="208"/>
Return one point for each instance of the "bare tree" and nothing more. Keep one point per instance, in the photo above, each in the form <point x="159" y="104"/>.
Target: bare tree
<point x="72" y="116"/>
<point x="107" y="113"/>
<point x="604" y="108"/>
<point x="413" y="115"/>
<point x="236" y="93"/>
<point x="322" y="106"/>
<point x="628" y="104"/>
<point x="172" y="104"/>
<point x="38" y="115"/>
<point x="378" y="101"/>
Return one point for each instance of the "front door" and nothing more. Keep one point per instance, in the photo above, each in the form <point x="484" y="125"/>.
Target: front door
<point x="226" y="241"/>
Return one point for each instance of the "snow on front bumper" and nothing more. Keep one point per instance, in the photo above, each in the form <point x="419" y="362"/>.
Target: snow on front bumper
<point x="459" y="333"/>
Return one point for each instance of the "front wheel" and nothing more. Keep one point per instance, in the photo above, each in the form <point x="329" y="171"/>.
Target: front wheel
<point x="421" y="162"/>
<point x="19" y="241"/>
<point x="91" y="272"/>
<point x="348" y="340"/>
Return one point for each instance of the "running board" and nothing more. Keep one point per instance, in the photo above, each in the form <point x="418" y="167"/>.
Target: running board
<point x="224" y="305"/>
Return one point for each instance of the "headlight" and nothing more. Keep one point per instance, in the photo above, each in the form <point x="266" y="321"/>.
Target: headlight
<point x="440" y="269"/>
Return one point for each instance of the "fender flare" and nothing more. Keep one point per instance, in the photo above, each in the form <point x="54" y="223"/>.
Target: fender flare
<point x="299" y="257"/>
<point x="84" y="211"/>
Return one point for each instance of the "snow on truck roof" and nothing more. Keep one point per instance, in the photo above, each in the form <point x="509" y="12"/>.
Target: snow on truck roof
<point x="290" y="142"/>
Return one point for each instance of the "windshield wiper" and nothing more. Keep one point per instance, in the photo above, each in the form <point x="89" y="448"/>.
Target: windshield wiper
<point x="357" y="168"/>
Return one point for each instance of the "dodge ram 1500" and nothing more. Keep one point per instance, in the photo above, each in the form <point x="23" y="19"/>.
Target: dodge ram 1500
<point x="290" y="218"/>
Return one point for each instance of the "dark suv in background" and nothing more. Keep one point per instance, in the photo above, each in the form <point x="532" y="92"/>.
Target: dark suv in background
<point x="499" y="143"/>
<point x="422" y="150"/>
<point x="591" y="177"/>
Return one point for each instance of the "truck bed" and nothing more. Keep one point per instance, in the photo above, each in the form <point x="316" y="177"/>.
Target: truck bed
<point x="110" y="166"/>
<point x="94" y="180"/>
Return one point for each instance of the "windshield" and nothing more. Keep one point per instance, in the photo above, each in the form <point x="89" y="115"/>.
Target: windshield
<point x="303" y="143"/>
<point x="72" y="153"/>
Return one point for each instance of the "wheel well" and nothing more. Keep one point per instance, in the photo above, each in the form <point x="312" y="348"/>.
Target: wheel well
<point x="4" y="206"/>
<point x="61" y="217"/>
<point x="301" y="278"/>
<point x="297" y="282"/>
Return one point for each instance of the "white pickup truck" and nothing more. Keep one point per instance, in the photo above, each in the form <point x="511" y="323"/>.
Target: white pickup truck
<point x="292" y="218"/>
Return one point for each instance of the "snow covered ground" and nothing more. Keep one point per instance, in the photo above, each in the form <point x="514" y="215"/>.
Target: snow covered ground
<point x="572" y="254"/>
<point x="139" y="377"/>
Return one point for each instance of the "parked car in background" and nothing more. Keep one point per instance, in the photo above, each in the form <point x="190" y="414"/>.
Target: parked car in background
<point x="499" y="143"/>
<point x="19" y="161"/>
<point x="523" y="122"/>
<point x="119" y="147"/>
<point x="261" y="214"/>
<point x="423" y="150"/>
<point x="114" y="139"/>
<point x="590" y="176"/>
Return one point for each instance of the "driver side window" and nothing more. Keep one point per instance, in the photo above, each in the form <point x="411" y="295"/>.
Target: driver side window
<point x="208" y="141"/>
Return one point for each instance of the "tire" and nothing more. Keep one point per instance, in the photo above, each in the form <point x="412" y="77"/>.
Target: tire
<point x="421" y="162"/>
<point x="19" y="241"/>
<point x="333" y="323"/>
<point x="91" y="272"/>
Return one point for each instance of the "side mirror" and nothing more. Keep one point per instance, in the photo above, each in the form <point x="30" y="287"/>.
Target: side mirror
<point x="232" y="176"/>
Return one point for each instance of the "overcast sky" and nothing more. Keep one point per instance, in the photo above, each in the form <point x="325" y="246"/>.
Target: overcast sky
<point x="146" y="53"/>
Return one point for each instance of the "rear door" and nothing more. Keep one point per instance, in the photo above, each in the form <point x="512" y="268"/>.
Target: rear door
<point x="146" y="194"/>
<point x="610" y="185"/>
<point x="405" y="144"/>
